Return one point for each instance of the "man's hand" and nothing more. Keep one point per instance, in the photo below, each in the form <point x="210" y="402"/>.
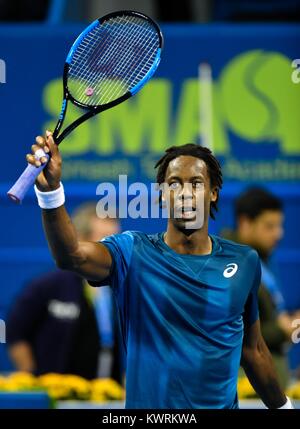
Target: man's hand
<point x="22" y="355"/>
<point x="49" y="178"/>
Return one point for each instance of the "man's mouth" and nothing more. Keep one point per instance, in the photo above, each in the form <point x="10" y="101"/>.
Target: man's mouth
<point x="185" y="212"/>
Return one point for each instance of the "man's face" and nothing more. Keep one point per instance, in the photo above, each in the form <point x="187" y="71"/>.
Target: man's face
<point x="101" y="228"/>
<point x="189" y="193"/>
<point x="265" y="230"/>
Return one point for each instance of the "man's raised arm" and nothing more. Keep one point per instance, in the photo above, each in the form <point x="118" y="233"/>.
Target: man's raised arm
<point x="88" y="259"/>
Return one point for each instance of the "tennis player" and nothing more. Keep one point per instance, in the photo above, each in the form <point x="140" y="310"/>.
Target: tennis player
<point x="187" y="300"/>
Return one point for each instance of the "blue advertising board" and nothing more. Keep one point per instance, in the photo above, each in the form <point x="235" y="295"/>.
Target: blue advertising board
<point x="255" y="105"/>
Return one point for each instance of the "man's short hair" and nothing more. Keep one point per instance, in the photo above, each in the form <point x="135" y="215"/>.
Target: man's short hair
<point x="254" y="201"/>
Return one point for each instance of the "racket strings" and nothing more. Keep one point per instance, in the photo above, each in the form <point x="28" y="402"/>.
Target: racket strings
<point x="121" y="70"/>
<point x="133" y="62"/>
<point x="112" y="59"/>
<point x="127" y="50"/>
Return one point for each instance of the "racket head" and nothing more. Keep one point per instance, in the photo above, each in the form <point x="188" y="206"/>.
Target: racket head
<point x="112" y="59"/>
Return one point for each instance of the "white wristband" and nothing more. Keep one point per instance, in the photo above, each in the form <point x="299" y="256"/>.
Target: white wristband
<point x="51" y="199"/>
<point x="287" y="406"/>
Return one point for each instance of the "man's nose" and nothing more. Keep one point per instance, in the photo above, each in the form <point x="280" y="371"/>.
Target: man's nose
<point x="187" y="191"/>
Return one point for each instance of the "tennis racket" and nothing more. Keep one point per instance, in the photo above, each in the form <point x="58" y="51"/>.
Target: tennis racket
<point x="110" y="61"/>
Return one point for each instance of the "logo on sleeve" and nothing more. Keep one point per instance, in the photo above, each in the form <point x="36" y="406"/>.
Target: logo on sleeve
<point x="230" y="270"/>
<point x="63" y="310"/>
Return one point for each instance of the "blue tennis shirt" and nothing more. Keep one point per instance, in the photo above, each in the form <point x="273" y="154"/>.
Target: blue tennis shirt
<point x="182" y="319"/>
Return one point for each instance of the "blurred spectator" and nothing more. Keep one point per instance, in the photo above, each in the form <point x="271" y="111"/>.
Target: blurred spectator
<point x="56" y="325"/>
<point x="259" y="224"/>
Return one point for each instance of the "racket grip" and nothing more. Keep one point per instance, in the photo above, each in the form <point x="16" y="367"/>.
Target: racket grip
<point x="25" y="181"/>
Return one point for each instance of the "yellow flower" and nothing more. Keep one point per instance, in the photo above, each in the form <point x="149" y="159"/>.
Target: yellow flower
<point x="58" y="392"/>
<point x="108" y="388"/>
<point x="79" y="386"/>
<point x="54" y="385"/>
<point x="244" y="388"/>
<point x="2" y="383"/>
<point x="18" y="381"/>
<point x="23" y="380"/>
<point x="97" y="397"/>
<point x="60" y="386"/>
<point x="294" y="390"/>
<point x="50" y="379"/>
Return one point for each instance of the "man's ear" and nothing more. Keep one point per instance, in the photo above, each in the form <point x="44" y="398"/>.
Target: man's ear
<point x="214" y="194"/>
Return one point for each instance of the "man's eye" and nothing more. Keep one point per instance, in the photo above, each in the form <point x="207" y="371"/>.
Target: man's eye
<point x="174" y="185"/>
<point x="197" y="185"/>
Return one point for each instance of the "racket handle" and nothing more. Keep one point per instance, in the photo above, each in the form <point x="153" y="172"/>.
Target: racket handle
<point x="25" y="181"/>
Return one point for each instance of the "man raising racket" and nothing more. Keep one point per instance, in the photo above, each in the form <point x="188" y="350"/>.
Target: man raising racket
<point x="187" y="300"/>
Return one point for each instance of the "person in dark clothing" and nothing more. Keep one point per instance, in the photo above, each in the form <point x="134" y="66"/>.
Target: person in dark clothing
<point x="54" y="325"/>
<point x="259" y="224"/>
